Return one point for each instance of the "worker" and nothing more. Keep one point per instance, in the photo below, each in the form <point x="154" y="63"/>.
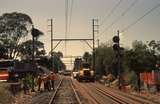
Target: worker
<point x="53" y="77"/>
<point x="48" y="83"/>
<point x="45" y="81"/>
<point x="39" y="82"/>
<point x="25" y="86"/>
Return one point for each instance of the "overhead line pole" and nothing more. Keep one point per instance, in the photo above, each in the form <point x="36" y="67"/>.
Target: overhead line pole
<point x="93" y="32"/>
<point x="52" y="44"/>
<point x="33" y="56"/>
<point x="51" y="33"/>
<point x="93" y="21"/>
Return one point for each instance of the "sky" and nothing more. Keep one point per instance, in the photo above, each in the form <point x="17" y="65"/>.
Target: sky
<point x="83" y="11"/>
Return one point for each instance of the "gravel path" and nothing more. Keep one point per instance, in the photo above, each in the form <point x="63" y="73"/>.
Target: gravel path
<point x="35" y="97"/>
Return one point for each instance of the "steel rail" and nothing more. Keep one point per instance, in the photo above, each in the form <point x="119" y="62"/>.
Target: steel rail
<point x="56" y="90"/>
<point x="58" y="87"/>
<point x="75" y="93"/>
<point x="108" y="95"/>
<point x="130" y="97"/>
<point x="93" y="97"/>
<point x="113" y="97"/>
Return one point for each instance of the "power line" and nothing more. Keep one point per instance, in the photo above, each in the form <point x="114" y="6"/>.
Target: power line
<point x="140" y="18"/>
<point x="111" y="12"/>
<point x="66" y="23"/>
<point x="122" y="14"/>
<point x="66" y="17"/>
<point x="129" y="8"/>
<point x="72" y="2"/>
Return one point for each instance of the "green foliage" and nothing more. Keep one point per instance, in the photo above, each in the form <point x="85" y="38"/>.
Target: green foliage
<point x="140" y="58"/>
<point x="54" y="61"/>
<point x="155" y="46"/>
<point x="131" y="78"/>
<point x="25" y="49"/>
<point x="104" y="59"/>
<point x="13" y="27"/>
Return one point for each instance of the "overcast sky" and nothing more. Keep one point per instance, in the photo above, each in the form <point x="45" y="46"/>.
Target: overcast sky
<point x="83" y="12"/>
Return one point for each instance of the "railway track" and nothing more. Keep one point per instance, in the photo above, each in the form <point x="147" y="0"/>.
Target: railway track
<point x="114" y="97"/>
<point x="65" y="93"/>
<point x="44" y="96"/>
<point x="120" y="97"/>
<point x="99" y="94"/>
<point x="95" y="96"/>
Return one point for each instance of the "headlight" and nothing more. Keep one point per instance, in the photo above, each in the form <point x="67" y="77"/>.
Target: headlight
<point x="92" y="72"/>
<point x="81" y="72"/>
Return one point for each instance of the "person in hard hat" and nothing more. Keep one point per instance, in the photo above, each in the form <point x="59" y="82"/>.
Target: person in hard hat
<point x="52" y="77"/>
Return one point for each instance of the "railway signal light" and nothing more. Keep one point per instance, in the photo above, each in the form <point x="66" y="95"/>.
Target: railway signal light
<point x="116" y="39"/>
<point x="116" y="43"/>
<point x="117" y="49"/>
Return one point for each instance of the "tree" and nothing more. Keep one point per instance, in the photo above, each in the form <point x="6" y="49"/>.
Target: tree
<point x="140" y="59"/>
<point x="56" y="61"/>
<point x="155" y="48"/>
<point x="154" y="45"/>
<point x="25" y="49"/>
<point x="13" y="27"/>
<point x="3" y="52"/>
<point x="104" y="60"/>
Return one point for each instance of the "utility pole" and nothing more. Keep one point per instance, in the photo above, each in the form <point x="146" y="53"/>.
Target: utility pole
<point x="33" y="46"/>
<point x="119" y="63"/>
<point x="51" y="32"/>
<point x="94" y="30"/>
<point x="33" y="56"/>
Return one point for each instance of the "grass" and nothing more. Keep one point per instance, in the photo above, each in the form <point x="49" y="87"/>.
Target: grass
<point x="5" y="95"/>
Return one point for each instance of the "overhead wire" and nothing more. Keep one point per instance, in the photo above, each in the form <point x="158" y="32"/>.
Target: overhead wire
<point x="70" y="17"/>
<point x="111" y="12"/>
<point x="66" y="23"/>
<point x="122" y="14"/>
<point x="140" y="18"/>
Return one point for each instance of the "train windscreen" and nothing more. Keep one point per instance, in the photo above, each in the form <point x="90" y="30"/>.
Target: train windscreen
<point x="86" y="65"/>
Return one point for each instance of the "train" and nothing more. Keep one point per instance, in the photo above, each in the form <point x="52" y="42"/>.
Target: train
<point x="83" y="71"/>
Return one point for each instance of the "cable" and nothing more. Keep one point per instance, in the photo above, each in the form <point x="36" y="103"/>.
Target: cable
<point x="66" y="25"/>
<point x="140" y="18"/>
<point x="111" y="12"/>
<point x="129" y="8"/>
<point x="70" y="16"/>
<point x="122" y="14"/>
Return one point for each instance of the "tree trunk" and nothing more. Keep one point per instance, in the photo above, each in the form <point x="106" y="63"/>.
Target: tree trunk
<point x="139" y="82"/>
